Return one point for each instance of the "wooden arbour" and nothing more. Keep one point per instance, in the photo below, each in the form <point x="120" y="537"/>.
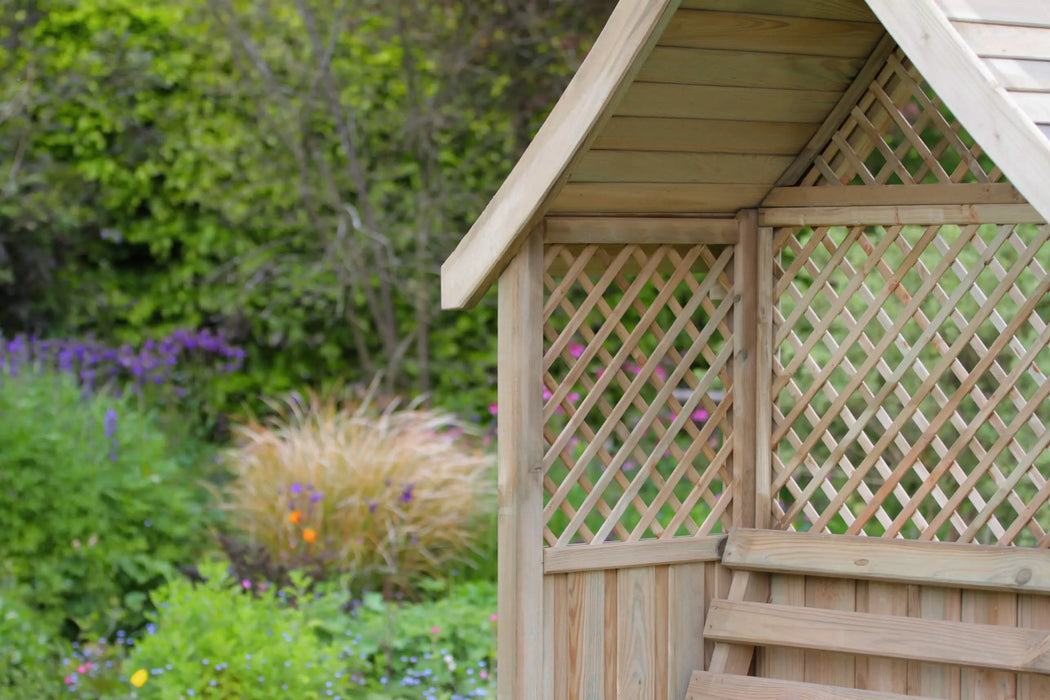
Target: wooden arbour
<point x="778" y="265"/>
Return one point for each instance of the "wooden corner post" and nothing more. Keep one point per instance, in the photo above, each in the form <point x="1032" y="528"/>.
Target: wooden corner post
<point x="752" y="372"/>
<point x="520" y="450"/>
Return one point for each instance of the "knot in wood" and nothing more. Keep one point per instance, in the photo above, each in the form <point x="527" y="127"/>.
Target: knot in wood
<point x="1023" y="576"/>
<point x="861" y="562"/>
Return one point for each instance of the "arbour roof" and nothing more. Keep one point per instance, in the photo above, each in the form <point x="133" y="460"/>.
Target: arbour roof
<point x="704" y="106"/>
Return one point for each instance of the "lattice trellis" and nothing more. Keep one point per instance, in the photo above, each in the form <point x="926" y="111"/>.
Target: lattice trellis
<point x="911" y="374"/>
<point x="900" y="133"/>
<point x="638" y="412"/>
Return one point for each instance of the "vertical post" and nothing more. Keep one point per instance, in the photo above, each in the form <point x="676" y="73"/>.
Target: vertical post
<point x="745" y="378"/>
<point x="763" y="369"/>
<point x="520" y="451"/>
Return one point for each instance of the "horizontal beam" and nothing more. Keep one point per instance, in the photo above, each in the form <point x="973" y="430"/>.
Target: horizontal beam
<point x="624" y="230"/>
<point x="893" y="195"/>
<point x="914" y="639"/>
<point x="621" y="555"/>
<point x="900" y="561"/>
<point x="920" y="214"/>
<point x="717" y="686"/>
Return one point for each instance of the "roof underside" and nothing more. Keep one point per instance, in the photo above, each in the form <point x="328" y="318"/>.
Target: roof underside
<point x="704" y="106"/>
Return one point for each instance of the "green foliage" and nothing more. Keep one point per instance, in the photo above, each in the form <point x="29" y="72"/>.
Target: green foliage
<point x="94" y="509"/>
<point x="26" y="650"/>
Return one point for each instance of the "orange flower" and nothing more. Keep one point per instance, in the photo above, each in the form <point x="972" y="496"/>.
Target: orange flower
<point x="309" y="534"/>
<point x="294" y="517"/>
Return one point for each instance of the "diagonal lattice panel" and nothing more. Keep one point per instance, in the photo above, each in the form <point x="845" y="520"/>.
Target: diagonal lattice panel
<point x="900" y="132"/>
<point x="638" y="391"/>
<point x="911" y="382"/>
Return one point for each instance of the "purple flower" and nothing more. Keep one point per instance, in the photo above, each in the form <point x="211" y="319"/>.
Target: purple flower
<point x="372" y="506"/>
<point x="406" y="494"/>
<point x="295" y="489"/>
<point x="316" y="496"/>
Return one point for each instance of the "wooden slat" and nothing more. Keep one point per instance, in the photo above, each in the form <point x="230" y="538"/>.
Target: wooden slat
<point x="636" y="658"/>
<point x="1003" y="41"/>
<point x="934" y="603"/>
<point x="706" y="102"/>
<point x="840" y="112"/>
<point x="745" y="370"/>
<point x="990" y="608"/>
<point x="703" y="136"/>
<point x="960" y="79"/>
<point x="520" y="534"/>
<point x="556" y="614"/>
<point x="763" y="367"/>
<point x="586" y="634"/>
<point x="656" y="199"/>
<point x="893" y="195"/>
<point x="685" y="625"/>
<point x="668" y="64"/>
<point x="718" y="580"/>
<point x="612" y="625"/>
<point x="849" y="10"/>
<point x="610" y="66"/>
<point x="1035" y="104"/>
<point x="967" y="644"/>
<point x="711" y="686"/>
<point x="782" y="662"/>
<point x="1033" y="612"/>
<point x="618" y="555"/>
<point x="873" y="672"/>
<point x="770" y="33"/>
<point x="922" y="214"/>
<point x="643" y="166"/>
<point x="1022" y="12"/>
<point x="737" y="658"/>
<point x="900" y="561"/>
<point x="1016" y="74"/>
<point x="611" y="230"/>
<point x="831" y="667"/>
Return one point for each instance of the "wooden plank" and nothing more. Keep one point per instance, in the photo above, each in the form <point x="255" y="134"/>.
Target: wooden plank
<point x="586" y="652"/>
<point x="711" y="686"/>
<point x="636" y="608"/>
<point x="609" y="68"/>
<point x="1016" y="74"/>
<point x="922" y="214"/>
<point x="967" y="644"/>
<point x="1035" y="104"/>
<point x="969" y="90"/>
<point x="623" y="230"/>
<point x="660" y="624"/>
<point x="685" y="625"/>
<point x="717" y="582"/>
<point x="739" y="31"/>
<point x="828" y="666"/>
<point x="556" y="608"/>
<point x="763" y="368"/>
<point x="618" y="555"/>
<point x="850" y="10"/>
<point x="745" y="371"/>
<point x="893" y="195"/>
<point x="939" y="680"/>
<point x="1022" y="12"/>
<point x="1033" y="611"/>
<point x="837" y="116"/>
<point x="520" y="454"/>
<point x="668" y="64"/>
<point x="899" y="561"/>
<point x="612" y="626"/>
<point x="656" y="199"/>
<point x="873" y="672"/>
<point x="644" y="166"/>
<point x="782" y="662"/>
<point x="709" y="102"/>
<point x="737" y="658"/>
<point x="703" y="136"/>
<point x="1002" y="41"/>
<point x="990" y="608"/>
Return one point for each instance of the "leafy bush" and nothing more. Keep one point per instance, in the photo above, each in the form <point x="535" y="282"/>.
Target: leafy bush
<point x="26" y="650"/>
<point x="389" y="497"/>
<point x="94" y="511"/>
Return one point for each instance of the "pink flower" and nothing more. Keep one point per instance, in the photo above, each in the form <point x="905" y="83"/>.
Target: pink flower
<point x="575" y="349"/>
<point x="246" y="583"/>
<point x="660" y="372"/>
<point x="81" y="669"/>
<point x="573" y="397"/>
<point x="700" y="415"/>
<point x="483" y="675"/>
<point x="493" y="617"/>
<point x="68" y="680"/>
<point x="493" y="409"/>
<point x="547" y="394"/>
<point x="435" y="630"/>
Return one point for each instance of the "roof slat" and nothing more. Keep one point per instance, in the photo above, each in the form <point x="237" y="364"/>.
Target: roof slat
<point x="703" y="136"/>
<point x="748" y="69"/>
<point x="642" y="166"/>
<point x="849" y="10"/>
<point x="747" y="104"/>
<point x="1005" y="41"/>
<point x="1032" y="13"/>
<point x="655" y="199"/>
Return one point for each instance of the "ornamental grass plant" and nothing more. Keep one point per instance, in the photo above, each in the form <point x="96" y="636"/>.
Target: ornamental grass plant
<point x="385" y="496"/>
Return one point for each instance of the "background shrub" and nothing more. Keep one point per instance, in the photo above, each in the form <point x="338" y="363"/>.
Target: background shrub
<point x="389" y="497"/>
<point x="94" y="510"/>
<point x="26" y="650"/>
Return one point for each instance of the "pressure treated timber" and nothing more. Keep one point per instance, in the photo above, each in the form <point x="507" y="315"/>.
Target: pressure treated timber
<point x="711" y="686"/>
<point x="1019" y="12"/>
<point x="970" y="91"/>
<point x="520" y="454"/>
<point x="728" y="103"/>
<point x="1021" y="75"/>
<point x="893" y="195"/>
<point x="618" y="555"/>
<point x="901" y="561"/>
<point x="625" y="230"/>
<point x="628" y="36"/>
<point x="770" y="33"/>
<point x="745" y="369"/>
<point x="920" y="214"/>
<point x="967" y="644"/>
<point x="655" y="199"/>
<point x="1004" y="41"/>
<point x="785" y="71"/>
<point x="849" y="10"/>
<point x="641" y="166"/>
<point x="1035" y="104"/>
<point x="703" y="136"/>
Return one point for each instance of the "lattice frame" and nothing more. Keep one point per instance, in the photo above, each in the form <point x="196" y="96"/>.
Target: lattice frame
<point x="638" y="388"/>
